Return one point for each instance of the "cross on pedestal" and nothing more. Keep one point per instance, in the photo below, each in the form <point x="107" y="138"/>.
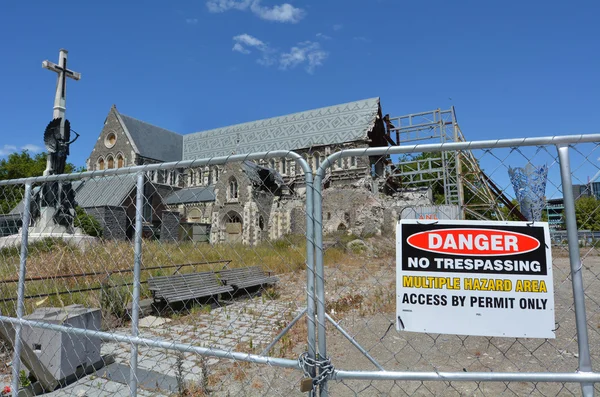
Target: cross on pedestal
<point x="60" y="98"/>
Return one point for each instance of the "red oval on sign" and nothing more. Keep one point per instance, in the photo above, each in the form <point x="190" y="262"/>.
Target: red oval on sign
<point x="475" y="242"/>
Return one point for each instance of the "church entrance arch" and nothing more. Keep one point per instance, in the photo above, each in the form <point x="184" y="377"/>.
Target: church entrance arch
<point x="233" y="227"/>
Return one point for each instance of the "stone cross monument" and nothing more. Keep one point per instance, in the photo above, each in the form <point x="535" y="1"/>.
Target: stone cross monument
<point x="60" y="134"/>
<point x="53" y="207"/>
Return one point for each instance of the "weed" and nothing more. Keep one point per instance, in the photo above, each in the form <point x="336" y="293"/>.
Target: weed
<point x="24" y="379"/>
<point x="272" y="293"/>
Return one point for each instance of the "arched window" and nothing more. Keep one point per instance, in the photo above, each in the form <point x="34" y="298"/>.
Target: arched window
<point x="352" y="161"/>
<point x="192" y="178"/>
<point x="100" y="163"/>
<point x="261" y="223"/>
<point x="347" y="217"/>
<point x="233" y="189"/>
<point x="111" y="162"/>
<point x="283" y="167"/>
<point x="216" y="174"/>
<point x="317" y="161"/>
<point x="120" y="161"/>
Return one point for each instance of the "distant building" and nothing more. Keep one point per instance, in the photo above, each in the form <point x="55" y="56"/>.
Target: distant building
<point x="555" y="209"/>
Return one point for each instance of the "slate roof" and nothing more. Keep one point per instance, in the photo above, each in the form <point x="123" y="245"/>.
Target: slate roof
<point x="97" y="192"/>
<point x="105" y="191"/>
<point x="325" y="126"/>
<point x="191" y="195"/>
<point x="152" y="141"/>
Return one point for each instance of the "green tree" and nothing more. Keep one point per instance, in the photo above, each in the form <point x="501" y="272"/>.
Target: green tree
<point x="587" y="213"/>
<point x="87" y="223"/>
<point x="21" y="165"/>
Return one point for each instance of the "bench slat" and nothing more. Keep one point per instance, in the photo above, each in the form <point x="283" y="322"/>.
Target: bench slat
<point x="246" y="277"/>
<point x="180" y="287"/>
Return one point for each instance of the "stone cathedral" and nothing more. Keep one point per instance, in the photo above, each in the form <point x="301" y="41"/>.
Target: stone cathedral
<point x="249" y="201"/>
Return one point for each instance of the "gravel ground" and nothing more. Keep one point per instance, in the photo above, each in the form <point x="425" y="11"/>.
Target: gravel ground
<point x="369" y="323"/>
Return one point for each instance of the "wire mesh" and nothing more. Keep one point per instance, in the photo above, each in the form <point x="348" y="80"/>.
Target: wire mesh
<point x="358" y="225"/>
<point x="220" y="248"/>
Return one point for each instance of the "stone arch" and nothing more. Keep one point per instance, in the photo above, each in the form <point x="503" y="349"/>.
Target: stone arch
<point x="233" y="189"/>
<point x="120" y="160"/>
<point x="194" y="215"/>
<point x="110" y="161"/>
<point x="100" y="164"/>
<point x="233" y="227"/>
<point x="347" y="217"/>
<point x="342" y="227"/>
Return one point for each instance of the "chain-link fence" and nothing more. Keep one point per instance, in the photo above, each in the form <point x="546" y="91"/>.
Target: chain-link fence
<point x="356" y="268"/>
<point x="196" y="278"/>
<point x="158" y="280"/>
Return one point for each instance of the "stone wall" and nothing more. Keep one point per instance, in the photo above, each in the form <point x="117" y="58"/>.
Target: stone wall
<point x="113" y="221"/>
<point x="121" y="146"/>
<point x="360" y="212"/>
<point x="169" y="228"/>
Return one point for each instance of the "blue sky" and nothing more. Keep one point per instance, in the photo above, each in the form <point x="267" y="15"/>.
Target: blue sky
<point x="511" y="68"/>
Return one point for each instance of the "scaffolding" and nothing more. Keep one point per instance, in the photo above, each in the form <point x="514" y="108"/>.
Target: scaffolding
<point x="464" y="183"/>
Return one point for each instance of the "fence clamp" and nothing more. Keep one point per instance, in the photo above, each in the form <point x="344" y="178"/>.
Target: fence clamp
<point x="323" y="370"/>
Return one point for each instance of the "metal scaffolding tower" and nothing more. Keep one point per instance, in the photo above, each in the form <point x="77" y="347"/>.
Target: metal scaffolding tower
<point x="464" y="183"/>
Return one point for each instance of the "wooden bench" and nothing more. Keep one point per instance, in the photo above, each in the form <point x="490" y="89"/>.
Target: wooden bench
<point x="183" y="287"/>
<point x="246" y="277"/>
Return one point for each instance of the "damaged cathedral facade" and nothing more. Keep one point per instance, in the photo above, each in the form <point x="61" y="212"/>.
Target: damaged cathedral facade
<point x="250" y="201"/>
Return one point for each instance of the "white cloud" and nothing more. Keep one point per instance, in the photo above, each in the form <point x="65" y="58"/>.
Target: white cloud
<point x="248" y="40"/>
<point x="32" y="148"/>
<point x="191" y="21"/>
<point x="362" y="39"/>
<point x="323" y="36"/>
<point x="306" y="52"/>
<point x="243" y="41"/>
<point x="240" y="48"/>
<point x="7" y="149"/>
<point x="338" y="27"/>
<point x="278" y="13"/>
<point x="282" y="13"/>
<point x="226" y="5"/>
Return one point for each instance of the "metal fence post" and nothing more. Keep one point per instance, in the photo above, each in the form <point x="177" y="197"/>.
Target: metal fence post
<point x="16" y="362"/>
<point x="310" y="271"/>
<point x="320" y="282"/>
<point x="585" y="364"/>
<point x="135" y="304"/>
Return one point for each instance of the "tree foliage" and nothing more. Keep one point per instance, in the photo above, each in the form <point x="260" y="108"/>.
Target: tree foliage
<point x="21" y="165"/>
<point x="587" y="213"/>
<point x="87" y="223"/>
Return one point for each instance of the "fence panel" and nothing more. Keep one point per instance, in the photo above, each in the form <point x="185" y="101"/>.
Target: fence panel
<point x="214" y="253"/>
<point x="356" y="267"/>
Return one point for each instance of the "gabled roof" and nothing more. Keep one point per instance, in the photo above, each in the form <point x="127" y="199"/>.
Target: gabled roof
<point x="96" y="192"/>
<point x="325" y="126"/>
<point x="191" y="195"/>
<point x="104" y="191"/>
<point x="152" y="141"/>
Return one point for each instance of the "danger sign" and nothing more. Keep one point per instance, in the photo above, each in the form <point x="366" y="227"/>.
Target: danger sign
<point x="482" y="278"/>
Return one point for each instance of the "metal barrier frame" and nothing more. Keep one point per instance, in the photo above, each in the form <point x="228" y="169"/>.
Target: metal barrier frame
<point x="584" y="375"/>
<point x="134" y="338"/>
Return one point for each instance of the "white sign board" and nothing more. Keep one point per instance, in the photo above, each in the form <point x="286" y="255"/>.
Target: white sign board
<point x="431" y="212"/>
<point x="485" y="278"/>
